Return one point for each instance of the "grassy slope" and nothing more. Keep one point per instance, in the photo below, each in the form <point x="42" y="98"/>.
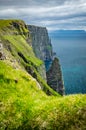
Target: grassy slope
<point x="23" y="106"/>
<point x="17" y="39"/>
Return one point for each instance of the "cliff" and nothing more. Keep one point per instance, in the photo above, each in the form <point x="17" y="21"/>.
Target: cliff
<point x="26" y="101"/>
<point x="15" y="42"/>
<point x="42" y="47"/>
<point x="21" y="43"/>
<point x="41" y="43"/>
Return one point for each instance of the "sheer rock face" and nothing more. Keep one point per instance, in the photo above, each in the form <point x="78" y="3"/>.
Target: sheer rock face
<point x="54" y="77"/>
<point x="41" y="45"/>
<point x="43" y="50"/>
<point x="40" y="42"/>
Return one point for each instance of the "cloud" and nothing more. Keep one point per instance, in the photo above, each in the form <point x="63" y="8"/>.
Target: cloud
<point x="30" y="2"/>
<point x="56" y="14"/>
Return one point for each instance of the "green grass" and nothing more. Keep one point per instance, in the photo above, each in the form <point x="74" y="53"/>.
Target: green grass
<point x="8" y="24"/>
<point x="22" y="46"/>
<point x="18" y="39"/>
<point x="15" y="44"/>
<point x="24" y="103"/>
<point x="19" y="45"/>
<point x="4" y="23"/>
<point x="23" y="106"/>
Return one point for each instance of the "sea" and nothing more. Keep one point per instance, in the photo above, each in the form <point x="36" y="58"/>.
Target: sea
<point x="70" y="48"/>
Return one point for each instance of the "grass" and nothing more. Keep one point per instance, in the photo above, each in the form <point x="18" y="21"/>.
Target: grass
<point x="22" y="46"/>
<point x="27" y="59"/>
<point x="8" y="24"/>
<point x="24" y="105"/>
<point x="18" y="41"/>
<point x="16" y="45"/>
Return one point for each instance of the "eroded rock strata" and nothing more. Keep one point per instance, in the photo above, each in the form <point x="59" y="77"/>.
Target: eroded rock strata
<point x="42" y="47"/>
<point x="40" y="42"/>
<point x="54" y="77"/>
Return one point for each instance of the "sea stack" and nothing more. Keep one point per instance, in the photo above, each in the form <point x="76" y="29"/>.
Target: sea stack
<point x="54" y="77"/>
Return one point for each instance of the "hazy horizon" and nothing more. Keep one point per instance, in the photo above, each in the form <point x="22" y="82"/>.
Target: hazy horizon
<point x="55" y="15"/>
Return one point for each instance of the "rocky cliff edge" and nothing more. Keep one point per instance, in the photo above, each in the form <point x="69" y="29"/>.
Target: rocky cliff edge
<point x="42" y="48"/>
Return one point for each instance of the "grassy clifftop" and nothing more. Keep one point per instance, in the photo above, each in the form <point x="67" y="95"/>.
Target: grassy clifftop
<point x="12" y="26"/>
<point x="24" y="104"/>
<point x="17" y="48"/>
<point x="15" y="34"/>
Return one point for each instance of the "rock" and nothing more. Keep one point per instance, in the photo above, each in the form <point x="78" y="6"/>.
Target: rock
<point x="54" y="77"/>
<point x="2" y="56"/>
<point x="41" y="45"/>
<point x="42" y="48"/>
<point x="1" y="46"/>
<point x="40" y="42"/>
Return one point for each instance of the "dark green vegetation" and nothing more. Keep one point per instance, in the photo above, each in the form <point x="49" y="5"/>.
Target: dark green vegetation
<point x="23" y="104"/>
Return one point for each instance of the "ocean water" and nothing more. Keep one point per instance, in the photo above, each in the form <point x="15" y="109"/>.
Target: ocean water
<point x="72" y="55"/>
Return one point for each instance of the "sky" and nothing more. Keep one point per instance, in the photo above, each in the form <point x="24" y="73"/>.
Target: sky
<point x="53" y="14"/>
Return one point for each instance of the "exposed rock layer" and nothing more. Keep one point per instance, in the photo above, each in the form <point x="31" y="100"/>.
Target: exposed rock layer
<point x="40" y="42"/>
<point x="54" y="77"/>
<point x="2" y="56"/>
<point x="43" y="49"/>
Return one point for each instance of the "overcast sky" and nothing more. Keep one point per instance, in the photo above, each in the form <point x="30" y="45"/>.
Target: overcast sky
<point x="54" y="14"/>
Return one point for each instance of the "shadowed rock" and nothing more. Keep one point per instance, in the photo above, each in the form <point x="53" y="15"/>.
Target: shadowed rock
<point x="40" y="42"/>
<point x="42" y="47"/>
<point x="54" y="77"/>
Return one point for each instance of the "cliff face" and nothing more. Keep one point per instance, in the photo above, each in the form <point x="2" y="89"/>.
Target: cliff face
<point x="16" y="50"/>
<point x="24" y="104"/>
<point x="54" y="77"/>
<point x="43" y="49"/>
<point x="41" y="45"/>
<point x="40" y="42"/>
